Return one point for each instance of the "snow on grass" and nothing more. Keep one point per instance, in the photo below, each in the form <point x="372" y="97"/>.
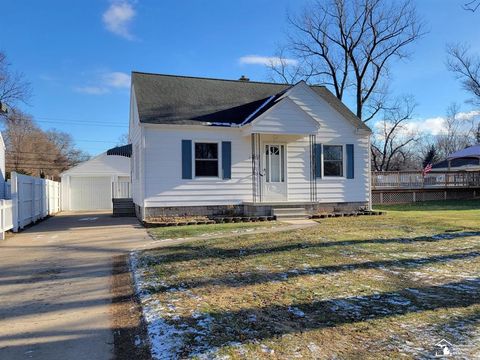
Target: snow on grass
<point x="165" y="339"/>
<point x="317" y="291"/>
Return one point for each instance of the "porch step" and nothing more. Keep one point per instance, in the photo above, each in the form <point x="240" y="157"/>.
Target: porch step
<point x="123" y="207"/>
<point x="290" y="213"/>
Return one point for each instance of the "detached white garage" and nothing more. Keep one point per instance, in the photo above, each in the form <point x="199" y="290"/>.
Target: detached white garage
<point x="93" y="184"/>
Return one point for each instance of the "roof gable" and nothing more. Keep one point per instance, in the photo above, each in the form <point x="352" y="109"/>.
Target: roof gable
<point x="326" y="97"/>
<point x="284" y="117"/>
<point x="102" y="164"/>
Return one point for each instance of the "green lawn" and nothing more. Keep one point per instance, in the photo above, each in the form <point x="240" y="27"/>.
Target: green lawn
<point x="175" y="232"/>
<point x="369" y="287"/>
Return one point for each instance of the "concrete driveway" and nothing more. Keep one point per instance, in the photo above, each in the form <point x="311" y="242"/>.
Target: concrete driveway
<point x="55" y="286"/>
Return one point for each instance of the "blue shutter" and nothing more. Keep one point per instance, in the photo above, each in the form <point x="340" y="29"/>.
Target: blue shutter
<point x="318" y="160"/>
<point x="350" y="162"/>
<point x="186" y="159"/>
<point x="227" y="159"/>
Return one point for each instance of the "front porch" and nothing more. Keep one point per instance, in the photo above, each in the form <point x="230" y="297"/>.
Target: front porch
<point x="280" y="164"/>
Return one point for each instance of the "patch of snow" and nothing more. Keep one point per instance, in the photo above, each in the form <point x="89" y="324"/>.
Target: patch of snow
<point x="266" y="349"/>
<point x="165" y="339"/>
<point x="296" y="311"/>
<point x="138" y="340"/>
<point x="398" y="300"/>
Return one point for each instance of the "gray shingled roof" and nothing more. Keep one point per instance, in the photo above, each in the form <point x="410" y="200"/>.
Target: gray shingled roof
<point x="124" y="150"/>
<point x="182" y="100"/>
<point x="456" y="163"/>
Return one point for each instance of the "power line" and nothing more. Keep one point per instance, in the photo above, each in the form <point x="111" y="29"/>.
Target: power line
<point x="81" y="123"/>
<point x="77" y="120"/>
<point x="98" y="141"/>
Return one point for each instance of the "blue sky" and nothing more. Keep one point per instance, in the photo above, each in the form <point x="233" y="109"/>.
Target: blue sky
<point x="78" y="54"/>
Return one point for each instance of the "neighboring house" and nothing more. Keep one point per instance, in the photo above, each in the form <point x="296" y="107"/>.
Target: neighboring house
<point x="209" y="146"/>
<point x="93" y="184"/>
<point x="2" y="168"/>
<point x="467" y="159"/>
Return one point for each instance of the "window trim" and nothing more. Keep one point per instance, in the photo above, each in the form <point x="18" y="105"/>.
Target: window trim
<point x="343" y="162"/>
<point x="219" y="159"/>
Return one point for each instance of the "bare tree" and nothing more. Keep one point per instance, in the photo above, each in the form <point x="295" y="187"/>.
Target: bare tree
<point x="458" y="133"/>
<point x="289" y="71"/>
<point x="349" y="45"/>
<point x="393" y="137"/>
<point x="471" y="5"/>
<point x="13" y="86"/>
<point x="35" y="152"/>
<point x="122" y="139"/>
<point x="67" y="154"/>
<point x="467" y="69"/>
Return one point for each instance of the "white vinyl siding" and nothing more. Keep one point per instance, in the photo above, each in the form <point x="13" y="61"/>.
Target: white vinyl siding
<point x="136" y="139"/>
<point x="164" y="185"/>
<point x="336" y="130"/>
<point x="284" y="118"/>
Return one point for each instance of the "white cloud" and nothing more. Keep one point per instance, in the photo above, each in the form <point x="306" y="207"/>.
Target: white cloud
<point x="105" y="83"/>
<point x="437" y="125"/>
<point x="117" y="79"/>
<point x="433" y="126"/>
<point x="468" y="115"/>
<point x="265" y="60"/>
<point x="118" y="17"/>
<point x="91" y="90"/>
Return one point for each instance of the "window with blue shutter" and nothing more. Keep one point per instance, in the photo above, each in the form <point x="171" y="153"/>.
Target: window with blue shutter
<point x="186" y="159"/>
<point x="318" y="160"/>
<point x="227" y="159"/>
<point x="350" y="162"/>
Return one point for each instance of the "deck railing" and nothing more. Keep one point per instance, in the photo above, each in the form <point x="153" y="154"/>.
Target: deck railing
<point x="433" y="180"/>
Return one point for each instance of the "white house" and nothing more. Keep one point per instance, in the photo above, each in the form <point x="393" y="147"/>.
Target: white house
<point x="2" y="167"/>
<point x="210" y="146"/>
<point x="93" y="184"/>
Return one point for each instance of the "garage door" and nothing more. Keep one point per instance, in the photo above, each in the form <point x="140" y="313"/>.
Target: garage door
<point x="90" y="193"/>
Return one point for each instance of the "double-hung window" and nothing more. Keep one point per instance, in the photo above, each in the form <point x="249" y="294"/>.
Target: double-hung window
<point x="333" y="160"/>
<point x="206" y="159"/>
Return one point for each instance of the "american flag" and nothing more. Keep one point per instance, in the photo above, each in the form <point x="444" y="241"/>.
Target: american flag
<point x="427" y="169"/>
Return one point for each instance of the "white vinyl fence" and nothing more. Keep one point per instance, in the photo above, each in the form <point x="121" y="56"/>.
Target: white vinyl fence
<point x="6" y="217"/>
<point x="121" y="190"/>
<point x="32" y="199"/>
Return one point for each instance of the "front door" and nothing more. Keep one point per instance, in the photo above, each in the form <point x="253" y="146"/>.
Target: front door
<point x="274" y="174"/>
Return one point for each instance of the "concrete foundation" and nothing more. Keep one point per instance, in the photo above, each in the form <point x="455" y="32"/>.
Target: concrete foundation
<point x="247" y="209"/>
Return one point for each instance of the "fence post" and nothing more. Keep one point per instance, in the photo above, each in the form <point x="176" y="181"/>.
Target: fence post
<point x="2" y="219"/>
<point x="14" y="196"/>
<point x="34" y="218"/>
